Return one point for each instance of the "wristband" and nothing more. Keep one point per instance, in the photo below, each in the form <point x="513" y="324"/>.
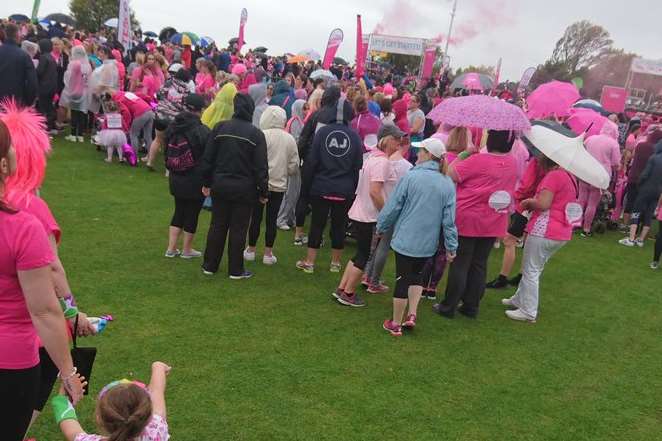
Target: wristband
<point x="68" y="305"/>
<point x="63" y="409"/>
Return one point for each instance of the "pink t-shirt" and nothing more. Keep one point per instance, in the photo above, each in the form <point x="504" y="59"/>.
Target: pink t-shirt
<point x="485" y="187"/>
<point x="156" y="430"/>
<point x="450" y="157"/>
<point x="556" y="223"/>
<point x="37" y="207"/>
<point x="23" y="247"/>
<point x="397" y="169"/>
<point x="375" y="169"/>
<point x="606" y="150"/>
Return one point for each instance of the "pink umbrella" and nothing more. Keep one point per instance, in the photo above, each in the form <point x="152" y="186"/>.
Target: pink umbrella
<point x="552" y="99"/>
<point x="480" y="111"/>
<point x="582" y="119"/>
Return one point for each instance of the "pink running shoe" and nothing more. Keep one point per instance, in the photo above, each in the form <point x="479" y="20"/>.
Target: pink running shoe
<point x="392" y="328"/>
<point x="378" y="289"/>
<point x="410" y="323"/>
<point x="365" y="282"/>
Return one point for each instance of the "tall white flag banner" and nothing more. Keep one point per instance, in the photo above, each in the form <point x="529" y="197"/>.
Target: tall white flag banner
<point x="124" y="25"/>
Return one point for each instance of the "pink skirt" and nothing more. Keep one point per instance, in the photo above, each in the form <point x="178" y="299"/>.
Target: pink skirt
<point x="112" y="138"/>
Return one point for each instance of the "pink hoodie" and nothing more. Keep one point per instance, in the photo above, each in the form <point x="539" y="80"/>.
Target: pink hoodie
<point x="136" y="105"/>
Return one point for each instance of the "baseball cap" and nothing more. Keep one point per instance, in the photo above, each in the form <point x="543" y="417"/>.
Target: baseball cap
<point x="390" y="130"/>
<point x="174" y="67"/>
<point x="432" y="145"/>
<point x="194" y="102"/>
<point x="370" y="141"/>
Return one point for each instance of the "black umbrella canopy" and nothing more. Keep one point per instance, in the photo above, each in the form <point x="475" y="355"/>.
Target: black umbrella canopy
<point x="61" y="18"/>
<point x="233" y="41"/>
<point x="260" y="49"/>
<point x="260" y="55"/>
<point x="167" y="33"/>
<point x="150" y="34"/>
<point x="19" y="18"/>
<point x="548" y="124"/>
<point x="340" y="61"/>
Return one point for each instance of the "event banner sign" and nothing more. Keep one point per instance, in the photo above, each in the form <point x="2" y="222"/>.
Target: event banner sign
<point x="648" y="67"/>
<point x="497" y="77"/>
<point x="335" y="39"/>
<point x="360" y="56"/>
<point x="613" y="99"/>
<point x="124" y="25"/>
<point x="242" y="24"/>
<point x="428" y="62"/>
<point x="526" y="78"/>
<point x="35" y="9"/>
<point x="397" y="45"/>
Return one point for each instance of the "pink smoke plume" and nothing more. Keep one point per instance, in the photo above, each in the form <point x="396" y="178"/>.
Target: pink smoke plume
<point x="484" y="16"/>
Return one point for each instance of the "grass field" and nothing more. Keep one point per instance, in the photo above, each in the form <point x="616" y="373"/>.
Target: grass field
<point x="274" y="358"/>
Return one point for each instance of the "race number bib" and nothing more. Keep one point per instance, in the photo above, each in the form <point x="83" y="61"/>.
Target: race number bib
<point x="500" y="201"/>
<point x="114" y="120"/>
<point x="131" y="96"/>
<point x="574" y="214"/>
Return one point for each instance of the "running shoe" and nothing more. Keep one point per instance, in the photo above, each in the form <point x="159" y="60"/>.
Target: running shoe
<point x="269" y="260"/>
<point x="171" y="254"/>
<point x="335" y="267"/>
<point x="410" y="323"/>
<point x="519" y="316"/>
<point x="655" y="265"/>
<point x="352" y="300"/>
<point x="639" y="243"/>
<point x="284" y="227"/>
<point x="586" y="234"/>
<point x="305" y="267"/>
<point x="249" y="256"/>
<point x="378" y="289"/>
<point x="244" y="275"/>
<point x="627" y="242"/>
<point x="300" y="241"/>
<point x="430" y="295"/>
<point x="392" y="328"/>
<point x="194" y="254"/>
<point x="337" y="293"/>
<point x="500" y="282"/>
<point x="508" y="302"/>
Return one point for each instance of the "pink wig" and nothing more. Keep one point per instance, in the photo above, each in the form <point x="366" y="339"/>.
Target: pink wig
<point x="30" y="141"/>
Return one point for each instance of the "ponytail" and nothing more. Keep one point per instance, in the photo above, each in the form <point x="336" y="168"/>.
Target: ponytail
<point x="124" y="411"/>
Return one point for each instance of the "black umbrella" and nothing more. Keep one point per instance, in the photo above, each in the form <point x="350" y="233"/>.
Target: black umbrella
<point x="234" y="40"/>
<point x="19" y="18"/>
<point x="61" y="18"/>
<point x="150" y="34"/>
<point x="339" y="61"/>
<point x="167" y="33"/>
<point x="260" y="55"/>
<point x="260" y="49"/>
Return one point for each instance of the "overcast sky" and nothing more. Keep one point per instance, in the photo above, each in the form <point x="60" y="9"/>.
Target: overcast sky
<point x="522" y="32"/>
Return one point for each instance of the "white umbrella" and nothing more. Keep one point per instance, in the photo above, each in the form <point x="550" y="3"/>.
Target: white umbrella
<point x="324" y="74"/>
<point x="111" y="22"/>
<point x="568" y="152"/>
<point x="310" y="53"/>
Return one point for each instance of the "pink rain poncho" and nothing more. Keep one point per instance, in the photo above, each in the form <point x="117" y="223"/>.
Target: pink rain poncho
<point x="75" y="94"/>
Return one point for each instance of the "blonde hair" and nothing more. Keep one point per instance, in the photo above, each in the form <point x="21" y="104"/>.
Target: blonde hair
<point x="458" y="140"/>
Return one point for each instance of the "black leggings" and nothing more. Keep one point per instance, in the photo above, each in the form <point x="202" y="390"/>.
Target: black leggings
<point x="18" y="395"/>
<point x="273" y="206"/>
<point x="644" y="209"/>
<point x="47" y="378"/>
<point x="47" y="109"/>
<point x="186" y="214"/>
<point x="408" y="272"/>
<point x="658" y="243"/>
<point x="364" y="232"/>
<point x="301" y="211"/>
<point x="322" y="209"/>
<point x="78" y="122"/>
<point x="466" y="277"/>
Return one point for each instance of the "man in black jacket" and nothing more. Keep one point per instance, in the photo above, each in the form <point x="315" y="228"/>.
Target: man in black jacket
<point x="47" y="76"/>
<point x="19" y="78"/>
<point x="236" y="173"/>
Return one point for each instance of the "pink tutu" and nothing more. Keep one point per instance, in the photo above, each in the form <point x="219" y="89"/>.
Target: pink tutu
<point x="112" y="138"/>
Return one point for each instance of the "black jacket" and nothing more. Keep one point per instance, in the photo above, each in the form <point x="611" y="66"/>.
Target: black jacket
<point x="235" y="163"/>
<point x="188" y="185"/>
<point x="650" y="181"/>
<point x="47" y="69"/>
<point x="18" y="78"/>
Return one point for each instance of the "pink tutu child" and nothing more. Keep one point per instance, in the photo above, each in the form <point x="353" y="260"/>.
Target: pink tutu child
<point x="113" y="131"/>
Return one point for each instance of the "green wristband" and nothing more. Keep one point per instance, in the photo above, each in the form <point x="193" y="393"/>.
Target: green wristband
<point x="63" y="409"/>
<point x="68" y="305"/>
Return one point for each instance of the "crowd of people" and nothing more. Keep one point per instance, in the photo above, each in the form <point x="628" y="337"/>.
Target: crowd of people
<point x="268" y="145"/>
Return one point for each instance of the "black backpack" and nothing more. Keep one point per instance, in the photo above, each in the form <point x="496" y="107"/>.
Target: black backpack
<point x="179" y="154"/>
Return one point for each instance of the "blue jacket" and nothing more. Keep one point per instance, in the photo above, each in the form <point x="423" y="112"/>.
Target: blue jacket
<point x="421" y="207"/>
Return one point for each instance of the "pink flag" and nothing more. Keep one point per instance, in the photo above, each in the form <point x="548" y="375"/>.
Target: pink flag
<point x="428" y="62"/>
<point x="360" y="55"/>
<point x="332" y="46"/>
<point x="242" y="24"/>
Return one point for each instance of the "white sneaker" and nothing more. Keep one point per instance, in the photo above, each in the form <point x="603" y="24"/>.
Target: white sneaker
<point x="81" y="139"/>
<point x="508" y="302"/>
<point x="171" y="254"/>
<point x="71" y="138"/>
<point x="639" y="243"/>
<point x="269" y="260"/>
<point x="655" y="265"/>
<point x="627" y="242"/>
<point x="192" y="255"/>
<point x="518" y="315"/>
<point x="284" y="227"/>
<point x="248" y="256"/>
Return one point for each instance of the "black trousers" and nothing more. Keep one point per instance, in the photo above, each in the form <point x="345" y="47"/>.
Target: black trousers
<point x="658" y="243"/>
<point x="301" y="211"/>
<point x="18" y="395"/>
<point x="322" y="210"/>
<point x="408" y="272"/>
<point x="364" y="233"/>
<point x="47" y="109"/>
<point x="78" y="123"/>
<point x="186" y="214"/>
<point x="229" y="221"/>
<point x="466" y="277"/>
<point x="273" y="207"/>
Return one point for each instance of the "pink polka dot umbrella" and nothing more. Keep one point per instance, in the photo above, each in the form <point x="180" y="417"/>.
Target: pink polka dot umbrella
<point x="480" y="111"/>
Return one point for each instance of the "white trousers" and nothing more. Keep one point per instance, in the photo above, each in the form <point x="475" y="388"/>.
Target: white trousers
<point x="537" y="252"/>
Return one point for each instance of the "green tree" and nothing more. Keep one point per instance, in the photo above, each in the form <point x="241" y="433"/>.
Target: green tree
<point x="583" y="44"/>
<point x="611" y="70"/>
<point x="91" y="14"/>
<point x="487" y="70"/>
